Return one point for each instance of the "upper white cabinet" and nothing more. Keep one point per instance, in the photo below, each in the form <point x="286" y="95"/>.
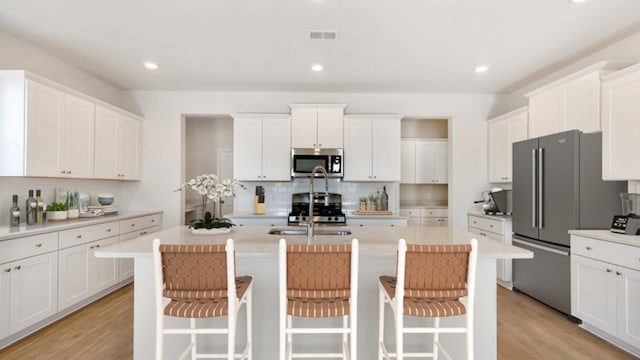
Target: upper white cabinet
<point x="502" y="132"/>
<point x="317" y="125"/>
<point x="118" y="145"/>
<point x="372" y="148"/>
<point x="621" y="125"/>
<point x="424" y="161"/>
<point x="262" y="147"/>
<point x="48" y="130"/>
<point x="572" y="102"/>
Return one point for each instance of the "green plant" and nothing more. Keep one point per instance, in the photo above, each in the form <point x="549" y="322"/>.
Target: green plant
<point x="54" y="206"/>
<point x="71" y="200"/>
<point x="372" y="198"/>
<point x="362" y="199"/>
<point x="209" y="222"/>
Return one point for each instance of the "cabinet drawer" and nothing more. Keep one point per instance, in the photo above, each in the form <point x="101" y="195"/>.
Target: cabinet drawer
<point x="614" y="253"/>
<point x="139" y="223"/>
<point x="485" y="233"/>
<point x="87" y="234"/>
<point x="410" y="212"/>
<point x="11" y="250"/>
<point x="494" y="226"/>
<point x="431" y="212"/>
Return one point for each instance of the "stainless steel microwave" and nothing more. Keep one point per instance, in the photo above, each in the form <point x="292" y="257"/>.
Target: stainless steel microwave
<point x="304" y="160"/>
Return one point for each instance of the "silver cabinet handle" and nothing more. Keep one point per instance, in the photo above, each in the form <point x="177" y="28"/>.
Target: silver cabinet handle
<point x="79" y="237"/>
<point x="108" y="230"/>
<point x="133" y="225"/>
<point x="92" y="247"/>
<point x="7" y="270"/>
<point x="618" y="273"/>
<point x="38" y="245"/>
<point x="589" y="248"/>
<point x="533" y="188"/>
<point x="97" y="245"/>
<point x="609" y="270"/>
<point x="18" y="267"/>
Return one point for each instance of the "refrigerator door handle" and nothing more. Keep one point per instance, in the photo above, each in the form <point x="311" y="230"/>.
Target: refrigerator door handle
<point x="544" y="248"/>
<point x="540" y="188"/>
<point x="533" y="188"/>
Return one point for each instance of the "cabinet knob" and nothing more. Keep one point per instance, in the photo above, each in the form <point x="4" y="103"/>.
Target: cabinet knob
<point x="18" y="267"/>
<point x="7" y="270"/>
<point x="609" y="270"/>
<point x="69" y="172"/>
<point x="589" y="248"/>
<point x="38" y="245"/>
<point x="154" y="220"/>
<point x="97" y="245"/>
<point x="133" y="225"/>
<point x="62" y="172"/>
<point x="92" y="247"/>
<point x="618" y="273"/>
<point x="79" y="237"/>
<point x="108" y="230"/>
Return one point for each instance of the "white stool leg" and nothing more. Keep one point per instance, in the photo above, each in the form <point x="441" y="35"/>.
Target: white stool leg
<point x="289" y="337"/>
<point x="159" y="337"/>
<point x="380" y="323"/>
<point x="399" y="334"/>
<point x="283" y="338"/>
<point x="469" y="337"/>
<point x="231" y="338"/>
<point x="436" y="338"/>
<point x="249" y="322"/>
<point x="345" y="325"/>
<point x="194" y="347"/>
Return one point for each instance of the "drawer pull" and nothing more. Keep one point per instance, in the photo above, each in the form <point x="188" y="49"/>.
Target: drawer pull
<point x="154" y="220"/>
<point x="98" y="245"/>
<point x="79" y="237"/>
<point x="618" y="273"/>
<point x="92" y="247"/>
<point x="609" y="270"/>
<point x="108" y="230"/>
<point x="18" y="267"/>
<point x="133" y="225"/>
<point x="7" y="270"/>
<point x="589" y="248"/>
<point x="38" y="245"/>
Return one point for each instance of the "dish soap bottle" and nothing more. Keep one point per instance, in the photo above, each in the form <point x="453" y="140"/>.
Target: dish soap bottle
<point x="384" y="199"/>
<point x="14" y="212"/>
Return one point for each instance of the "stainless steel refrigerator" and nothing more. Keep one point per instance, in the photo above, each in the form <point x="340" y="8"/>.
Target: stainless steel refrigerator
<point x="557" y="186"/>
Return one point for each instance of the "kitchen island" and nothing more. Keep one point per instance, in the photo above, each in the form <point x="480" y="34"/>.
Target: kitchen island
<point x="257" y="255"/>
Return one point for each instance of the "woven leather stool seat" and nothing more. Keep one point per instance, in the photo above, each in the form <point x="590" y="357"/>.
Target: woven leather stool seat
<point x="201" y="303"/>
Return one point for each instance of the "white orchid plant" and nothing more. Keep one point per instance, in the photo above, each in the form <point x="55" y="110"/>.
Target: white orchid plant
<point x="211" y="188"/>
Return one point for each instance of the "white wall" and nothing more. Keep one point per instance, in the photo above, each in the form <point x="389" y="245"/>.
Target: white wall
<point x="162" y="141"/>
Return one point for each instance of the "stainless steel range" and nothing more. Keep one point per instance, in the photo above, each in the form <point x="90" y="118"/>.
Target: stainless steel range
<point x="324" y="212"/>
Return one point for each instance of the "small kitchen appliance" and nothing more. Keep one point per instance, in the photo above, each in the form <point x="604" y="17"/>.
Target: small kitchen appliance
<point x="303" y="161"/>
<point x="629" y="222"/>
<point x="324" y="213"/>
<point x="496" y="201"/>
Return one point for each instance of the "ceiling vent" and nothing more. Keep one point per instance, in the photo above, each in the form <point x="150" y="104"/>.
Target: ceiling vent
<point x="323" y="35"/>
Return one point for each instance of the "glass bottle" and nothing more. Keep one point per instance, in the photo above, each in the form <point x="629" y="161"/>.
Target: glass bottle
<point x="385" y="198"/>
<point x="31" y="209"/>
<point x="39" y="207"/>
<point x="14" y="212"/>
<point x="378" y="200"/>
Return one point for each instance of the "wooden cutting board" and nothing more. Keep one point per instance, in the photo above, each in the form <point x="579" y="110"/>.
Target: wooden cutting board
<point x="372" y="212"/>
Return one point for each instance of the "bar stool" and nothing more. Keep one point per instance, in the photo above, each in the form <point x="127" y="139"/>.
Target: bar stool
<point x="435" y="278"/>
<point x="195" y="278"/>
<point x="318" y="281"/>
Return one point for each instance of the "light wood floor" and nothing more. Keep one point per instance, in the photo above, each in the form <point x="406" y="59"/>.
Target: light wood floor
<point x="104" y="330"/>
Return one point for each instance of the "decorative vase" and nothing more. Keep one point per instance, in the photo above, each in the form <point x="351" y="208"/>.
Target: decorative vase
<point x="363" y="205"/>
<point x="216" y="231"/>
<point x="372" y="206"/>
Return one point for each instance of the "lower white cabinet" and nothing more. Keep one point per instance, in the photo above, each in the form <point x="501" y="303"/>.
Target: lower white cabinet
<point x="34" y="290"/>
<point x="427" y="216"/>
<point x="126" y="266"/>
<point x="82" y="274"/>
<point x="605" y="287"/>
<point x="497" y="228"/>
<point x="5" y="299"/>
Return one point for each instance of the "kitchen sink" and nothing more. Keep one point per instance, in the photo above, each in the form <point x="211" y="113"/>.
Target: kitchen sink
<point x="303" y="231"/>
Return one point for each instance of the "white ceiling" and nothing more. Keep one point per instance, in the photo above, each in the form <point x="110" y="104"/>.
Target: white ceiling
<point x="263" y="45"/>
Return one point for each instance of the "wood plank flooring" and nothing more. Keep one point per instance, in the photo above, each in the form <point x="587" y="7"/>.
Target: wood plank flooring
<point x="104" y="330"/>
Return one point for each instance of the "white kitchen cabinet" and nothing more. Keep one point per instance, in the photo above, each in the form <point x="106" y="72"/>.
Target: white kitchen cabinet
<point x="5" y="300"/>
<point x="605" y="287"/>
<point x="131" y="229"/>
<point x="426" y="216"/>
<point x="118" y="145"/>
<point x="262" y="147"/>
<point x="502" y="132"/>
<point x="372" y="148"/>
<point x="317" y="125"/>
<point x="424" y="161"/>
<point x="496" y="227"/>
<point x="620" y="125"/>
<point x="572" y="102"/>
<point x="34" y="290"/>
<point x="78" y="138"/>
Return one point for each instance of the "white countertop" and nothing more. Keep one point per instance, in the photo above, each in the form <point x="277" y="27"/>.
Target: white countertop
<point x="9" y="232"/>
<point x="252" y="240"/>
<point x="503" y="218"/>
<point x="285" y="215"/>
<point x="607" y="235"/>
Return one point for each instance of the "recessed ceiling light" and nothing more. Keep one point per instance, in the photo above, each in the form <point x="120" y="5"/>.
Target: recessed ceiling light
<point x="482" y="68"/>
<point x="151" y="65"/>
<point x="317" y="67"/>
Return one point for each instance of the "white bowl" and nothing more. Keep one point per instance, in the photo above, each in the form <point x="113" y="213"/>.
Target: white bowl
<point x="105" y="199"/>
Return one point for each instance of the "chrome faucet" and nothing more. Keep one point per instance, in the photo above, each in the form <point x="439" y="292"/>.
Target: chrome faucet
<point x="310" y="224"/>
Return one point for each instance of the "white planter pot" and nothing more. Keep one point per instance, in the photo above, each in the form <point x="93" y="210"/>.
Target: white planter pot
<point x="56" y="215"/>
<point x="73" y="213"/>
<point x="210" y="231"/>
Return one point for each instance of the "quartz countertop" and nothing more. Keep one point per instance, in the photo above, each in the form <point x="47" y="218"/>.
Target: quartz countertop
<point x="607" y="235"/>
<point x="254" y="240"/>
<point x="503" y="218"/>
<point x="10" y="232"/>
